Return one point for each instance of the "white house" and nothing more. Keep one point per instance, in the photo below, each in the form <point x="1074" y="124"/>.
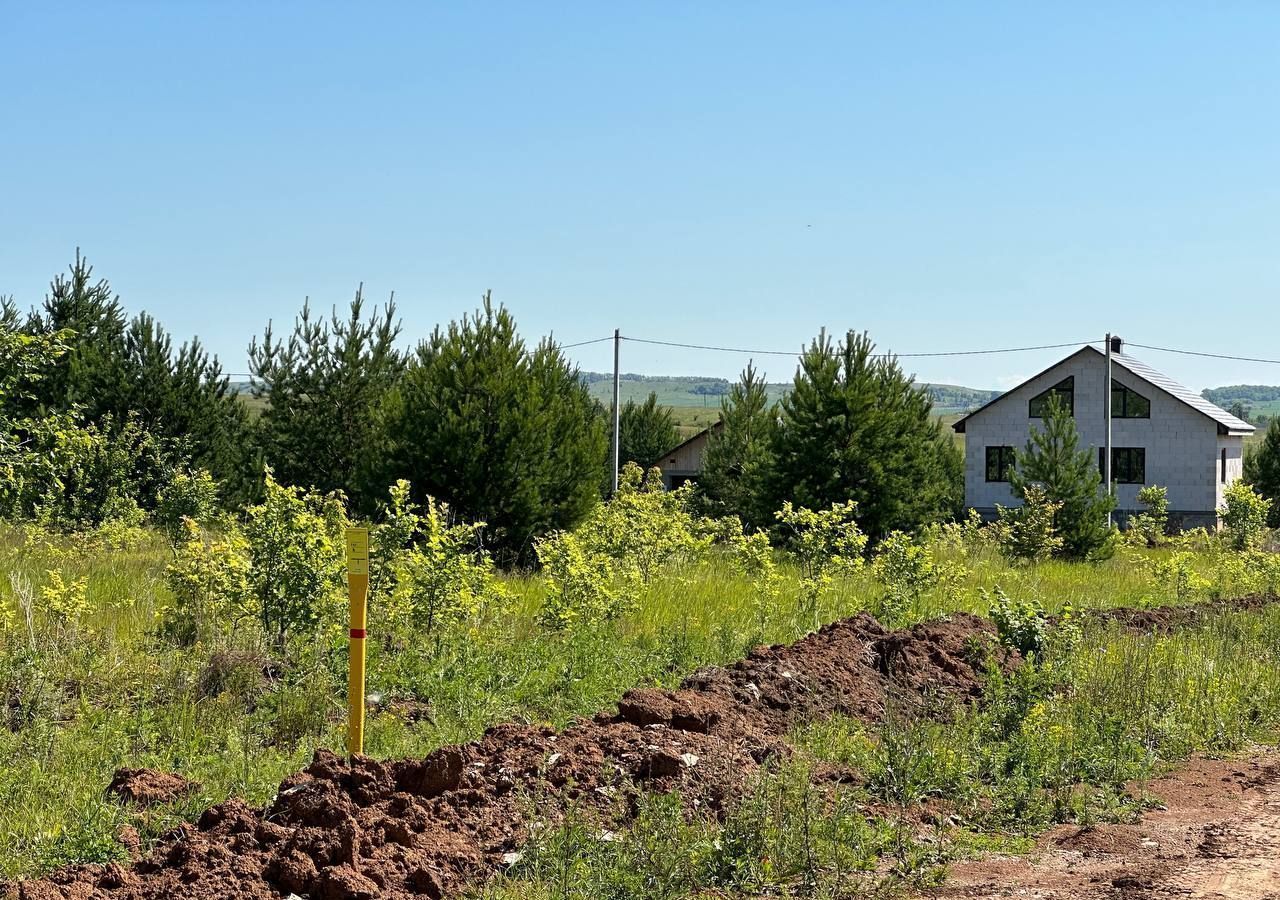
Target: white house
<point x="1161" y="433"/>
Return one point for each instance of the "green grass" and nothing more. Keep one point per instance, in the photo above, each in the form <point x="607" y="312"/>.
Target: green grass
<point x="1064" y="740"/>
<point x="83" y="695"/>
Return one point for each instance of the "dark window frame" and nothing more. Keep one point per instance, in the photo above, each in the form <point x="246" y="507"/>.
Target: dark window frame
<point x="1066" y="389"/>
<point x="999" y="467"/>
<point x="1224" y="465"/>
<point x="1128" y="464"/>
<point x="1128" y="397"/>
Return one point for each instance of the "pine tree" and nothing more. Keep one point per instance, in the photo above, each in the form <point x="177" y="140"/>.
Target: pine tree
<point x="1262" y="469"/>
<point x="94" y="323"/>
<point x="504" y="434"/>
<point x="739" y="453"/>
<point x="645" y="432"/>
<point x="186" y="396"/>
<point x="855" y="427"/>
<point x="119" y="371"/>
<point x="1053" y="460"/>
<point x="324" y="388"/>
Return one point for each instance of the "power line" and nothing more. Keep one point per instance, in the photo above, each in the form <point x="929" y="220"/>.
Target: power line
<point x="704" y="347"/>
<point x="584" y="343"/>
<point x="1253" y="359"/>
<point x="899" y="355"/>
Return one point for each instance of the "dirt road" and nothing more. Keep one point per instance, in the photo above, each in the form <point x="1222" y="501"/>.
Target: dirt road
<point x="1217" y="836"/>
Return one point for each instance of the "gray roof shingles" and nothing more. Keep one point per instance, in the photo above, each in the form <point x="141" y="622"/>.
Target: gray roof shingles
<point x="1226" y="421"/>
<point x="1185" y="394"/>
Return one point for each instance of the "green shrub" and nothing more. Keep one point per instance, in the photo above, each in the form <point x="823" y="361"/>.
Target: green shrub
<point x="1245" y="515"/>
<point x="444" y="577"/>
<point x="296" y="547"/>
<point x="644" y="528"/>
<point x="1028" y="532"/>
<point x="209" y="581"/>
<point x="1151" y="526"/>
<point x="582" y="587"/>
<point x="906" y="569"/>
<point x="824" y="544"/>
<point x="71" y="476"/>
<point x="188" y="496"/>
<point x="1021" y="623"/>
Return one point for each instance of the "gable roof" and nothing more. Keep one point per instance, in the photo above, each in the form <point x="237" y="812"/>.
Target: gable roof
<point x="706" y="432"/>
<point x="1227" y="423"/>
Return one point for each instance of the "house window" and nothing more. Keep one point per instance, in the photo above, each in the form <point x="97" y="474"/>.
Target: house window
<point x="1128" y="465"/>
<point x="1127" y="403"/>
<point x="1064" y="390"/>
<point x="1000" y="462"/>
<point x="1224" y="465"/>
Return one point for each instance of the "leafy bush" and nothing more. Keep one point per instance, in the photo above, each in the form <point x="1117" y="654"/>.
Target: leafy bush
<point x="595" y="572"/>
<point x="296" y="547"/>
<point x="64" y="601"/>
<point x="582" y="587"/>
<point x="906" y="569"/>
<point x="71" y="476"/>
<point x="209" y="580"/>
<point x="1177" y="573"/>
<point x="1245" y="515"/>
<point x="188" y="496"/>
<point x="1021" y="624"/>
<point x="1027" y="532"/>
<point x="824" y="543"/>
<point x="645" y="528"/>
<point x="443" y="577"/>
<point x="1150" y="527"/>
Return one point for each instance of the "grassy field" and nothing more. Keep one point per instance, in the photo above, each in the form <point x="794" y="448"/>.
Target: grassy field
<point x="698" y="392"/>
<point x="1058" y="741"/>
<point x="90" y="683"/>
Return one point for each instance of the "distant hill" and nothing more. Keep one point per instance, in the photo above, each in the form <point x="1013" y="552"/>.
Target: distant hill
<point x="1243" y="393"/>
<point x="692" y="390"/>
<point x="1261" y="402"/>
<point x="693" y="393"/>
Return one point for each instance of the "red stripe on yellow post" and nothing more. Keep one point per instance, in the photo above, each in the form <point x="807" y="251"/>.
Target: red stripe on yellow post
<point x="357" y="594"/>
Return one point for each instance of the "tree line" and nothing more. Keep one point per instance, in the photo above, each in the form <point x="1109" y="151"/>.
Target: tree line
<point x="502" y="430"/>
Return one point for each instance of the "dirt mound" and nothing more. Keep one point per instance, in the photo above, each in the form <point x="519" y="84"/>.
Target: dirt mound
<point x="429" y="827"/>
<point x="1164" y="619"/>
<point x="148" y="787"/>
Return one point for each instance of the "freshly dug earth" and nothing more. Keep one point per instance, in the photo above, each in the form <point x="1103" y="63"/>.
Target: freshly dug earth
<point x="430" y="827"/>
<point x="147" y="787"/>
<point x="1164" y="619"/>
<point x="1216" y="835"/>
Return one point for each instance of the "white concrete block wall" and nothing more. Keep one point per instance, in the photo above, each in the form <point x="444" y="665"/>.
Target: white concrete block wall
<point x="1182" y="444"/>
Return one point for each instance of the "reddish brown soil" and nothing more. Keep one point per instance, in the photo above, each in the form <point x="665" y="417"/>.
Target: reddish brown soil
<point x="1215" y="835"/>
<point x="148" y="787"/>
<point x="432" y="826"/>
<point x="1168" y="618"/>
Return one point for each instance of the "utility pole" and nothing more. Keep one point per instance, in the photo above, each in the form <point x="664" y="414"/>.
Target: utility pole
<point x="617" y="415"/>
<point x="1106" y="405"/>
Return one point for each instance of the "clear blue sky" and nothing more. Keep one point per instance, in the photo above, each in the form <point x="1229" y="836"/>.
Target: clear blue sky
<point x="943" y="175"/>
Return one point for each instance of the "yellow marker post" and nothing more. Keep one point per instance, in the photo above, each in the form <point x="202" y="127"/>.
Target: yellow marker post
<point x="357" y="593"/>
